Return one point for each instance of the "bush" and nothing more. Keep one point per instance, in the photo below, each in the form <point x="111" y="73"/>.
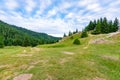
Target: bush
<point x="76" y="41"/>
<point x="84" y="34"/>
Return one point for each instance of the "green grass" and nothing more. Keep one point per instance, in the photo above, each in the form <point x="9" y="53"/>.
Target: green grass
<point x="50" y="62"/>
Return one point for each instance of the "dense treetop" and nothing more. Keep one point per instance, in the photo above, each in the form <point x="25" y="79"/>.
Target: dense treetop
<point x="103" y="25"/>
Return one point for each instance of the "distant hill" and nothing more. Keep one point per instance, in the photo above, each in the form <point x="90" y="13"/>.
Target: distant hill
<point x="14" y="35"/>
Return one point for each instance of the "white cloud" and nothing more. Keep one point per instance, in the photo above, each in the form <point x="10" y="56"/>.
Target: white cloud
<point x="43" y="5"/>
<point x="77" y="14"/>
<point x="30" y="5"/>
<point x="11" y="4"/>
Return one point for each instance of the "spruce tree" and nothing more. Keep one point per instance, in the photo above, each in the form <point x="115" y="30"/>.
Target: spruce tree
<point x="110" y="25"/>
<point x="90" y="26"/>
<point x="105" y="28"/>
<point x="70" y="33"/>
<point x="116" y="24"/>
<point x="64" y="35"/>
<point x="76" y="31"/>
<point x="97" y="29"/>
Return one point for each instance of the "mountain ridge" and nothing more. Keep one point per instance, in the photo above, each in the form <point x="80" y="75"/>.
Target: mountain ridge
<point x="12" y="32"/>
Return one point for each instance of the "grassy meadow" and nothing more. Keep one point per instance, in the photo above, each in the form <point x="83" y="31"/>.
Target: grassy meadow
<point x="64" y="60"/>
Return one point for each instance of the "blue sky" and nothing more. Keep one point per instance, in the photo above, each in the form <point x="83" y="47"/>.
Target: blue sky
<point x="56" y="17"/>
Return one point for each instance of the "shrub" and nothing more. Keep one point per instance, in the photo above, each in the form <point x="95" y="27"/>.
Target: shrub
<point x="76" y="41"/>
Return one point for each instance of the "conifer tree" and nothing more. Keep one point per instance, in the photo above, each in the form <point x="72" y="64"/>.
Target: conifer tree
<point x="70" y="33"/>
<point x="64" y="35"/>
<point x="116" y="24"/>
<point x="97" y="29"/>
<point x="76" y="31"/>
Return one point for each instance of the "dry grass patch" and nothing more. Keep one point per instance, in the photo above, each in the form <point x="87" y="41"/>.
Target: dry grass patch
<point x="49" y="77"/>
<point x="23" y="55"/>
<point x="98" y="78"/>
<point x="5" y="66"/>
<point x="64" y="60"/>
<point x="23" y="77"/>
<point x="111" y="57"/>
<point x="30" y="67"/>
<point x="69" y="53"/>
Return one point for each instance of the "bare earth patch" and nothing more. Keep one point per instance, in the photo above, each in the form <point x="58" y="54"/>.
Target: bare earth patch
<point x="23" y="77"/>
<point x="100" y="41"/>
<point x="69" y="53"/>
<point x="112" y="34"/>
<point x="98" y="78"/>
<point x="36" y="49"/>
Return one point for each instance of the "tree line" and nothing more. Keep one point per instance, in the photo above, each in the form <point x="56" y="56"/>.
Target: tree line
<point x="102" y="25"/>
<point x="71" y="33"/>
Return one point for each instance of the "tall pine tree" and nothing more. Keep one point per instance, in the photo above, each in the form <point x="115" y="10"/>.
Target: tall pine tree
<point x="116" y="24"/>
<point x="97" y="29"/>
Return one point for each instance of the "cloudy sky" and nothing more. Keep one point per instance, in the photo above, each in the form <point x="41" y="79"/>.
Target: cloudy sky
<point x="56" y="17"/>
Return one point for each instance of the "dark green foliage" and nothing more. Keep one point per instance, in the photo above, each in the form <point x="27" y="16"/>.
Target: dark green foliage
<point x="70" y="33"/>
<point x="91" y="25"/>
<point x="64" y="35"/>
<point x="18" y="36"/>
<point x="115" y="24"/>
<point x="76" y="42"/>
<point x="1" y="42"/>
<point x="84" y="34"/>
<point x="26" y="41"/>
<point x="97" y="29"/>
<point x="102" y="25"/>
<point x="74" y="32"/>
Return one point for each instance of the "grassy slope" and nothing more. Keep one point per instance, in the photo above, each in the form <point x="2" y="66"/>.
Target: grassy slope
<point x="89" y="61"/>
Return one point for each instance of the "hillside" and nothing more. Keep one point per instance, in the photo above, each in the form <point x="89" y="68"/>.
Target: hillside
<point x="97" y="58"/>
<point x="14" y="35"/>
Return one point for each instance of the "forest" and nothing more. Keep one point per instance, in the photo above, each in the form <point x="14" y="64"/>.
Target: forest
<point x="11" y="35"/>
